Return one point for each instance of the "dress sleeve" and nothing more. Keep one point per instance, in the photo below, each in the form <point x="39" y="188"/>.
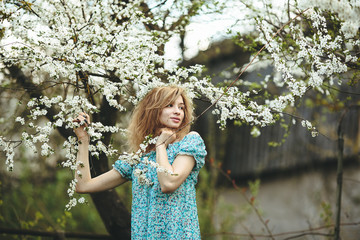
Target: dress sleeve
<point x="193" y="145"/>
<point x="124" y="169"/>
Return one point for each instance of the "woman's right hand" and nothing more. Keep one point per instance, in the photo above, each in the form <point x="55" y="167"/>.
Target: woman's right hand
<point x="166" y="137"/>
<point x="80" y="132"/>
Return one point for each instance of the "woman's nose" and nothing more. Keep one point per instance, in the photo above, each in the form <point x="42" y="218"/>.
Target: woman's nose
<point x="176" y="110"/>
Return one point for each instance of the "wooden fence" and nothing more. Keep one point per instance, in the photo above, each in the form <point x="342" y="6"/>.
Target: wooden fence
<point x="247" y="156"/>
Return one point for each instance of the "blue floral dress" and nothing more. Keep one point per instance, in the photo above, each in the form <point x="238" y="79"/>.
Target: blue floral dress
<point x="157" y="215"/>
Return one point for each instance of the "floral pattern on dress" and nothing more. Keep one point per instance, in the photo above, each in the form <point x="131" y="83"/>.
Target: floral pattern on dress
<point x="157" y="215"/>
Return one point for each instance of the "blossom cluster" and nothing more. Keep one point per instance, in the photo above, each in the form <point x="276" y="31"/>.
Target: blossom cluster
<point x="306" y="54"/>
<point x="135" y="158"/>
<point x="8" y="148"/>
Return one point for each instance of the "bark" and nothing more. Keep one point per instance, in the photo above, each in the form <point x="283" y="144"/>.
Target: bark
<point x="113" y="212"/>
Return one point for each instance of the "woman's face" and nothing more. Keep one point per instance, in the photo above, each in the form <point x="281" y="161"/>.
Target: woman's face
<point x="173" y="114"/>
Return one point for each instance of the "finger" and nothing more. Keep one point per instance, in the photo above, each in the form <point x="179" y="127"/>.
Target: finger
<point x="87" y="118"/>
<point x="82" y="117"/>
<point x="76" y="120"/>
<point x="167" y="130"/>
<point x="165" y="133"/>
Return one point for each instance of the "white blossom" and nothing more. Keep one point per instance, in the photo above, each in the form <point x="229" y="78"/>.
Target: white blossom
<point x="314" y="132"/>
<point x="307" y="124"/>
<point x="255" y="132"/>
<point x="81" y="200"/>
<point x="20" y="120"/>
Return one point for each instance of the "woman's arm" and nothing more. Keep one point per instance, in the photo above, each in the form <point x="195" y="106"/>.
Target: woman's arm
<point x="86" y="184"/>
<point x="181" y="167"/>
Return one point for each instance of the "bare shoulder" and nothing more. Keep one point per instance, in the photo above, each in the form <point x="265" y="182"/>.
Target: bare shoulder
<point x="193" y="133"/>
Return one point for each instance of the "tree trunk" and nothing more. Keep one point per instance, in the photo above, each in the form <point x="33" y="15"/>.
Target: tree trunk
<point x="113" y="213"/>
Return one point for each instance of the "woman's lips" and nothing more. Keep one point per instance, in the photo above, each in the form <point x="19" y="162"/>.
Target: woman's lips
<point x="174" y="119"/>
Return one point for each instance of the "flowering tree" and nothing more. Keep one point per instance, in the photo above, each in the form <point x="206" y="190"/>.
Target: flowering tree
<point x="101" y="57"/>
<point x="97" y="57"/>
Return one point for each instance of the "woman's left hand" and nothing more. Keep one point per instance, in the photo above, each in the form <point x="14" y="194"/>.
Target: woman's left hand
<point x="166" y="137"/>
<point x="80" y="131"/>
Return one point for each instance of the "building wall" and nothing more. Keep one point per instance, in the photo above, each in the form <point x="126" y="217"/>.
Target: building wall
<point x="292" y="204"/>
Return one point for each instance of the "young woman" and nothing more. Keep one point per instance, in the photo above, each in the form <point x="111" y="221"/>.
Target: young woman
<point x="166" y="208"/>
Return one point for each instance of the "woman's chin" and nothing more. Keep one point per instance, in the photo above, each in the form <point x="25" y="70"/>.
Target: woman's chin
<point x="173" y="127"/>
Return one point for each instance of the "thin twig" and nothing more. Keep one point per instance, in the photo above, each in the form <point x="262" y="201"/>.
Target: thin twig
<point x="341" y="91"/>
<point x="301" y="118"/>
<point x="249" y="201"/>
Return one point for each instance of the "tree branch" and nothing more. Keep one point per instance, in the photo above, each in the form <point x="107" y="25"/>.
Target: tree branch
<point x="35" y="91"/>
